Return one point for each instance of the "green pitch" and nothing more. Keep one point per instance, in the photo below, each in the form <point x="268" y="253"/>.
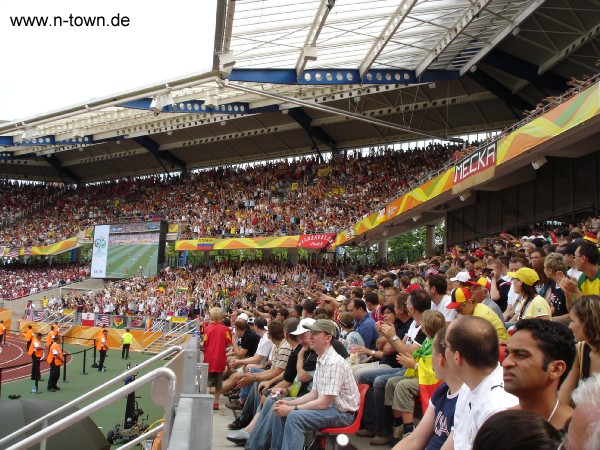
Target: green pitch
<point x="128" y="260"/>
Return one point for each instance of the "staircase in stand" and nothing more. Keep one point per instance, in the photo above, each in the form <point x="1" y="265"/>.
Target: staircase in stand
<point x="176" y="336"/>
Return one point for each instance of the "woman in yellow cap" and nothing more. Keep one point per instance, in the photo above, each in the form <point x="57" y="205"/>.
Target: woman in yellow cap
<point x="530" y="304"/>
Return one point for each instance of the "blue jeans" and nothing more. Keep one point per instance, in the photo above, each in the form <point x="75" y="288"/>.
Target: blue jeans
<point x="251" y="404"/>
<point x="369" y="418"/>
<point x="383" y="414"/>
<point x="246" y="389"/>
<point x="288" y="432"/>
<point x="260" y="438"/>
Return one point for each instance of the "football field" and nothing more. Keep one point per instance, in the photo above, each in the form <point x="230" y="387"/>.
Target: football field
<point x="128" y="260"/>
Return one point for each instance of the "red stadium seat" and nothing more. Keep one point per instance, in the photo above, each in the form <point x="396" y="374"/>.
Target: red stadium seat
<point x="354" y="426"/>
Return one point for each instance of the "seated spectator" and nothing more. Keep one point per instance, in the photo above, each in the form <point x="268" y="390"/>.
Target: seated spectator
<point x="584" y="430"/>
<point x="517" y="429"/>
<point x="436" y="424"/>
<point x="332" y="402"/>
<point x="465" y="305"/>
<point x="402" y="391"/>
<point x="539" y="356"/>
<point x="471" y="349"/>
<point x="585" y="325"/>
<point x="531" y="305"/>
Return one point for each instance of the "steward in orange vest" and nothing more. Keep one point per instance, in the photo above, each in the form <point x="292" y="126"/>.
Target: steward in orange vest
<point x="55" y="359"/>
<point x="37" y="353"/>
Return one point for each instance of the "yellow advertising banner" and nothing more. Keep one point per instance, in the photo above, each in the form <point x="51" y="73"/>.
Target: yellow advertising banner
<point x="562" y="118"/>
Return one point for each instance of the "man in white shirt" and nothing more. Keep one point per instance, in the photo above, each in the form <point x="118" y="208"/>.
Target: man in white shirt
<point x="471" y="349"/>
<point x="437" y="286"/>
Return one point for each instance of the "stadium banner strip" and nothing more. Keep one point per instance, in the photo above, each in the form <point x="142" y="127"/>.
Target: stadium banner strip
<point x="562" y="118"/>
<point x="475" y="169"/>
<point x="416" y="197"/>
<point x="206" y="244"/>
<point x="173" y="228"/>
<point x="53" y="249"/>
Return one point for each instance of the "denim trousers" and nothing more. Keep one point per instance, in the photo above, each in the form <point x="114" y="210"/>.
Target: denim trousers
<point x="288" y="432"/>
<point x="246" y="389"/>
<point x="368" y="376"/>
<point x="383" y="413"/>
<point x="251" y="404"/>
<point x="260" y="438"/>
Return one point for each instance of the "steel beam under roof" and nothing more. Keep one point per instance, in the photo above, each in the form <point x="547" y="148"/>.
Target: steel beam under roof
<point x="454" y="30"/>
<point x="387" y="33"/>
<point x="313" y="35"/>
<point x="576" y="43"/>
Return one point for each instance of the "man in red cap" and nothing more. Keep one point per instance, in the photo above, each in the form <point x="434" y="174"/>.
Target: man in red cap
<point x="480" y="289"/>
<point x="465" y="305"/>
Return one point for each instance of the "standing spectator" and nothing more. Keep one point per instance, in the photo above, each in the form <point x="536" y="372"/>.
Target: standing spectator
<point x="102" y="347"/>
<point x="332" y="402"/>
<point x="55" y="359"/>
<point x="217" y="338"/>
<point x="477" y="366"/>
<point x="126" y="343"/>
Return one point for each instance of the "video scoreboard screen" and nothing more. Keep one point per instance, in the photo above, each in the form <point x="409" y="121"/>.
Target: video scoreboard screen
<point x="125" y="250"/>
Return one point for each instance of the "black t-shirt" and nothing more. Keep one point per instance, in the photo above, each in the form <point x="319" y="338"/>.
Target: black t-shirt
<point x="558" y="301"/>
<point x="290" y="372"/>
<point x="250" y="342"/>
<point x="503" y="288"/>
<point x="401" y="329"/>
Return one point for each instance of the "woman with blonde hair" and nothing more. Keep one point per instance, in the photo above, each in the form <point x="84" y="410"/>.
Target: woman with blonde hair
<point x="585" y="325"/>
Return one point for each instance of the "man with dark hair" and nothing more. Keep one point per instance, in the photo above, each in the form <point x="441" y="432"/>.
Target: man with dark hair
<point x="437" y="286"/>
<point x="539" y="356"/>
<point x="363" y="322"/>
<point x="585" y="260"/>
<point x="471" y="350"/>
<point x="308" y="308"/>
<point x="500" y="283"/>
<point x="373" y="306"/>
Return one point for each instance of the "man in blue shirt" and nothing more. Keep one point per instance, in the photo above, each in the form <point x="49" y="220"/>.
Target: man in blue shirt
<point x="363" y="322"/>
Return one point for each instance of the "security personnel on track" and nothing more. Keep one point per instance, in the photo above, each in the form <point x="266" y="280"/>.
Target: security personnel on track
<point x="55" y="359"/>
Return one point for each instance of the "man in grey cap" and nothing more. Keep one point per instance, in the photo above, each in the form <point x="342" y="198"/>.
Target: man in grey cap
<point x="332" y="402"/>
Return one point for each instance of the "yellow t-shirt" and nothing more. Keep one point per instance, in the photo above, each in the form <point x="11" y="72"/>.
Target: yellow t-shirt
<point x="537" y="307"/>
<point x="486" y="313"/>
<point x="589" y="286"/>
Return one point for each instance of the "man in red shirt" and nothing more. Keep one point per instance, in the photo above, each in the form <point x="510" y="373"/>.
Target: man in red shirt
<point x="217" y="337"/>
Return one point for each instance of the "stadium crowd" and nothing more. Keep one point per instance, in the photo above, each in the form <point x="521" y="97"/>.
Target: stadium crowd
<point x="19" y="280"/>
<point x="428" y="337"/>
<point x="303" y="196"/>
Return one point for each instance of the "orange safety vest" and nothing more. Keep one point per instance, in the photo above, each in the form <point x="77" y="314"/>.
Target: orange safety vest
<point x="50" y="337"/>
<point x="99" y="345"/>
<point x="2" y="328"/>
<point x="29" y="334"/>
<point x="51" y="357"/>
<point x="39" y="352"/>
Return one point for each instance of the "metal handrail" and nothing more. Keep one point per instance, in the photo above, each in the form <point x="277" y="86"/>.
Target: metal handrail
<point x="142" y="437"/>
<point x="91" y="393"/>
<point x="77" y="416"/>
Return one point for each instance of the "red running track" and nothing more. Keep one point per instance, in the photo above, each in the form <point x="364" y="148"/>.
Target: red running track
<point x="13" y="353"/>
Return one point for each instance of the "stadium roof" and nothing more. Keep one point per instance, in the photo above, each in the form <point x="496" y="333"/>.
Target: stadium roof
<point x="291" y="79"/>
